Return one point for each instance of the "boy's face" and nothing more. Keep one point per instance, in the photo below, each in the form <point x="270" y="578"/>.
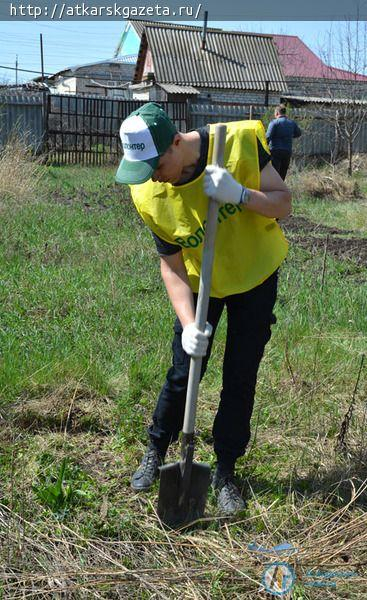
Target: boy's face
<point x="170" y="165"/>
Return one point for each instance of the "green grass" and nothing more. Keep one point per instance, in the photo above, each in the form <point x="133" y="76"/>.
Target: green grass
<point x="85" y="335"/>
<point x="350" y="215"/>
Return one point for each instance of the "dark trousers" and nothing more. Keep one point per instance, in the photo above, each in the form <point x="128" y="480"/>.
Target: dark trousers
<point x="280" y="160"/>
<point x="249" y="317"/>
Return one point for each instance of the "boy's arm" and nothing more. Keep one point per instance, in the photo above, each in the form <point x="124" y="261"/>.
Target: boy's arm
<point x="274" y="198"/>
<point x="178" y="288"/>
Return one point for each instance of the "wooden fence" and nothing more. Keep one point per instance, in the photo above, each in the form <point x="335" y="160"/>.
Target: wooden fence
<point x="85" y="129"/>
<point x="316" y="123"/>
<point x="22" y="114"/>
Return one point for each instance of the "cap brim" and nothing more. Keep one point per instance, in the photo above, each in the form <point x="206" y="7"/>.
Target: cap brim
<point x="136" y="172"/>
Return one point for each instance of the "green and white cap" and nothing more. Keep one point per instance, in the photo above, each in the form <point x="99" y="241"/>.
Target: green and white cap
<point x="146" y="134"/>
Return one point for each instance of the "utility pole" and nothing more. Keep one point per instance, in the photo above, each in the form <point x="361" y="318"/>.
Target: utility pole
<point x="16" y="70"/>
<point x="44" y="101"/>
<point x="42" y="63"/>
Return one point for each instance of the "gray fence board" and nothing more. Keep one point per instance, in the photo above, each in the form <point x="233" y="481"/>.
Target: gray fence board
<point x="23" y="115"/>
<point x="318" y="132"/>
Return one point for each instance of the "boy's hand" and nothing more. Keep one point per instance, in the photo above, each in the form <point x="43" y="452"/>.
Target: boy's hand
<point x="195" y="342"/>
<point x="220" y="185"/>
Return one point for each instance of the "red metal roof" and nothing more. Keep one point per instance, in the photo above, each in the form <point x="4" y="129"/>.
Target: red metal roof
<point x="298" y="60"/>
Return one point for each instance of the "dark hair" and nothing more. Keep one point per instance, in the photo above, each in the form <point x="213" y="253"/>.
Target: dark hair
<point x="281" y="109"/>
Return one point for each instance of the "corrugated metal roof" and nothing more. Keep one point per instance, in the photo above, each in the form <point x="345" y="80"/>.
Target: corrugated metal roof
<point x="298" y="60"/>
<point x="231" y="60"/>
<point x="128" y="59"/>
<point x="126" y="73"/>
<point x="320" y="100"/>
<point x="139" y="25"/>
<point x="172" y="88"/>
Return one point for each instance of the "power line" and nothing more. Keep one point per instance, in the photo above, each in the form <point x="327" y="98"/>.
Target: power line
<point x="72" y="49"/>
<point x="330" y="82"/>
<point x="96" y="76"/>
<point x="58" y="28"/>
<point x="75" y="31"/>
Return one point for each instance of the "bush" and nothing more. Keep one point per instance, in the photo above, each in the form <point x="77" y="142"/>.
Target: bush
<point x="324" y="183"/>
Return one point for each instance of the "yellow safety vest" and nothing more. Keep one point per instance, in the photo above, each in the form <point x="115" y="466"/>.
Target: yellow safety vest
<point x="248" y="246"/>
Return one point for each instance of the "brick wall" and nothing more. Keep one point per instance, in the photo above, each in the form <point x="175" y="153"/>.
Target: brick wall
<point x="250" y="97"/>
<point x="326" y="88"/>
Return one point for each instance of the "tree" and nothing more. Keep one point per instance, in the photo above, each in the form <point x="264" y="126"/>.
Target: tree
<point x="346" y="83"/>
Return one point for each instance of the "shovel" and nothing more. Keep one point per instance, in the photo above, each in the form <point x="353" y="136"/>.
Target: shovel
<point x="183" y="486"/>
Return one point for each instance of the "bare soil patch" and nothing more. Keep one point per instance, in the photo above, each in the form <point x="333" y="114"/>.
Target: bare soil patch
<point x="342" y="248"/>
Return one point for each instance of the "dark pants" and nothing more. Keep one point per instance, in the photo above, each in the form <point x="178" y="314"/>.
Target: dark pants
<point x="249" y="317"/>
<point x="280" y="160"/>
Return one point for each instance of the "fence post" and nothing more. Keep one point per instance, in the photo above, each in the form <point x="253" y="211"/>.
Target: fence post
<point x="45" y="111"/>
<point x="250" y="113"/>
<point x="188" y="114"/>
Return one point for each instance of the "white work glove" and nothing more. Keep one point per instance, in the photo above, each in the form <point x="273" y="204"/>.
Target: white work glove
<point x="195" y="342"/>
<point x="220" y="185"/>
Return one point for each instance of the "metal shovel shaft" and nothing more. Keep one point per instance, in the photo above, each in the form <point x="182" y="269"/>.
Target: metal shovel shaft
<point x="184" y="485"/>
<point x="204" y="288"/>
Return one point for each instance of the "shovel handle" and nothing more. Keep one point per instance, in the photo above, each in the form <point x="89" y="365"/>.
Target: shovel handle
<point x="204" y="288"/>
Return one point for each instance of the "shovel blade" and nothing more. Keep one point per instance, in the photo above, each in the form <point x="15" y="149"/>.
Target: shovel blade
<point x="178" y="506"/>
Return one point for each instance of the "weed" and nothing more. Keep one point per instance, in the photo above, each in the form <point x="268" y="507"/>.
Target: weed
<point x="55" y="496"/>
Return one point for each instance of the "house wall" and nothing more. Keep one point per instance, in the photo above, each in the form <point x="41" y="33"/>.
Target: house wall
<point x="66" y="86"/>
<point x="241" y="96"/>
<point x="212" y="95"/>
<point x="148" y="64"/>
<point x="81" y="81"/>
<point x="335" y="88"/>
<point x="152" y="94"/>
<point x="119" y="94"/>
<point x="110" y="74"/>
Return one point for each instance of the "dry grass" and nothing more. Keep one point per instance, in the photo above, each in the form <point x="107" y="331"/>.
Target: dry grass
<point x="325" y="183"/>
<point x="153" y="563"/>
<point x="20" y="175"/>
<point x="71" y="407"/>
<point x="44" y="557"/>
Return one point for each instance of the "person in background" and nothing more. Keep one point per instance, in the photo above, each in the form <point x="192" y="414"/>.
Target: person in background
<point x="279" y="135"/>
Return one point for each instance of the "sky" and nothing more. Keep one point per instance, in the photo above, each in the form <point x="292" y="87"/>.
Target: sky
<point x="72" y="43"/>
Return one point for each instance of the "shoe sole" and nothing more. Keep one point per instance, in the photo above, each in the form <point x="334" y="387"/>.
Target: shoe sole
<point x="146" y="487"/>
<point x="142" y="489"/>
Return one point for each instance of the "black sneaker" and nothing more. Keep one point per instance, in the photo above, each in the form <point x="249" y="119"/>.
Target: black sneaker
<point x="229" y="499"/>
<point x="148" y="470"/>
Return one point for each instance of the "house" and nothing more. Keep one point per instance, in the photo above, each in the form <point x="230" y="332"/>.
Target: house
<point x="308" y="77"/>
<point x="176" y="62"/>
<point x="108" y="78"/>
<point x="295" y="71"/>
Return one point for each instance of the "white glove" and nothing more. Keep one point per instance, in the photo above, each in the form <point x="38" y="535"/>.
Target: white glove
<point x="194" y="342"/>
<point x="220" y="185"/>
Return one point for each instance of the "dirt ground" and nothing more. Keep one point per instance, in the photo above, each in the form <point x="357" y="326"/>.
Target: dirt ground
<point x="313" y="236"/>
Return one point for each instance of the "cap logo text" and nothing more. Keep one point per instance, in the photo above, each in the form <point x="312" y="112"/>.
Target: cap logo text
<point x="138" y="146"/>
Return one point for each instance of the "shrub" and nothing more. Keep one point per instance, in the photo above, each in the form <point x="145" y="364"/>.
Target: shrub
<point x="324" y="183"/>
